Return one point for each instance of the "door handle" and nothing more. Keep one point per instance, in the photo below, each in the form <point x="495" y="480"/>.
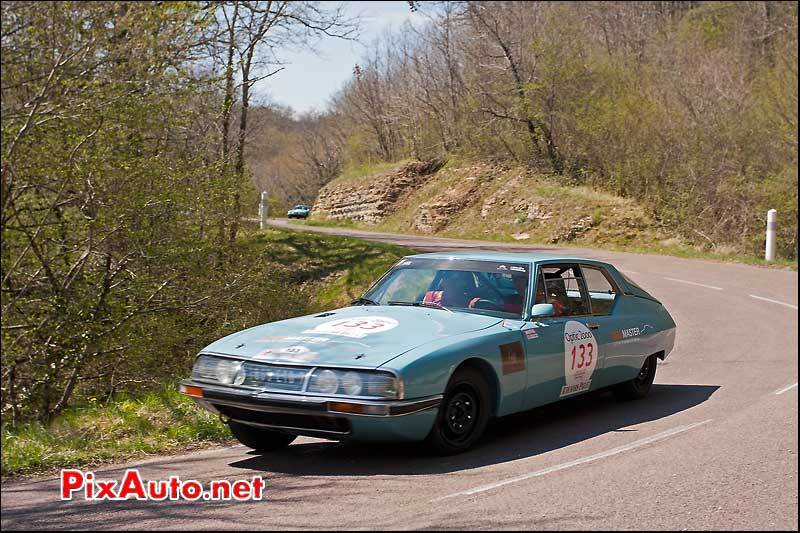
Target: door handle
<point x="593" y="325"/>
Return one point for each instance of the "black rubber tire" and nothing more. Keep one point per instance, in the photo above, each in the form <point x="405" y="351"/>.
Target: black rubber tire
<point x="638" y="387"/>
<point x="261" y="440"/>
<point x="466" y="404"/>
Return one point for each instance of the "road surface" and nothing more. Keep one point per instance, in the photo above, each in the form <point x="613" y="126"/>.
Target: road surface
<point x="714" y="446"/>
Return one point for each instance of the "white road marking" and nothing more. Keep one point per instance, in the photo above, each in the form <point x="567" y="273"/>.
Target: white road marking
<point x="695" y="283"/>
<point x="608" y="453"/>
<point x="781" y="391"/>
<point x="773" y="301"/>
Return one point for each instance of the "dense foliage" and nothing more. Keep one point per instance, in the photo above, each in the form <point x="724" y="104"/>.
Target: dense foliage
<point x="689" y="107"/>
<point x="124" y="126"/>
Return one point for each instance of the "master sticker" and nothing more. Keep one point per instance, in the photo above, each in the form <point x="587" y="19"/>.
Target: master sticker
<point x="357" y="327"/>
<point x="580" y="357"/>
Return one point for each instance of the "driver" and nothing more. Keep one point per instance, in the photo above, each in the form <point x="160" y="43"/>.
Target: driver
<point x="514" y="303"/>
<point x="455" y="290"/>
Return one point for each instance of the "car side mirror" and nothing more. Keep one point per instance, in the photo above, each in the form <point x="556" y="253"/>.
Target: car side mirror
<point x="540" y="310"/>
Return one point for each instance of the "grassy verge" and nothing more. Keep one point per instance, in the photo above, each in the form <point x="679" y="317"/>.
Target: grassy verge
<point x="675" y="250"/>
<point x="159" y="422"/>
<point x="323" y="271"/>
<point x="333" y="270"/>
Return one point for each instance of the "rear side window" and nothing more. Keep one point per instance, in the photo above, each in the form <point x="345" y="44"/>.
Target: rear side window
<point x="601" y="292"/>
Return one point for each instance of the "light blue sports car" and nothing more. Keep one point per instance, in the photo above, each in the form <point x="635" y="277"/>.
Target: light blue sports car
<point x="437" y="346"/>
<point x="298" y="211"/>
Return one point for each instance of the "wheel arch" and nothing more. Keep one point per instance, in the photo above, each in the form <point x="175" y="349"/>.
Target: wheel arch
<point x="488" y="372"/>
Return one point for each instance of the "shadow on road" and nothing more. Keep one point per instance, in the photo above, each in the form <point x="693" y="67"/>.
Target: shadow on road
<point x="514" y="437"/>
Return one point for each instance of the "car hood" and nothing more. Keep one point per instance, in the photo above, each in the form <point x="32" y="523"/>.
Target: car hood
<point x="358" y="336"/>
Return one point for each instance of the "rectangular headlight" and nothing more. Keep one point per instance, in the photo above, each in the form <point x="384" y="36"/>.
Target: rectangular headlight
<point x="215" y="369"/>
<point x="355" y="383"/>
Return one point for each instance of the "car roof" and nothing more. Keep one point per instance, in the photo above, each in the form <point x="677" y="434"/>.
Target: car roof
<point x="511" y="257"/>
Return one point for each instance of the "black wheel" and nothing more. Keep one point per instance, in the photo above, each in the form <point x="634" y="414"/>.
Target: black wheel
<point x="261" y="440"/>
<point x="463" y="414"/>
<point x="639" y="386"/>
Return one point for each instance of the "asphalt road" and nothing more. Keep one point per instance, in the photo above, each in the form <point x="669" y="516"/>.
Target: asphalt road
<point x="714" y="446"/>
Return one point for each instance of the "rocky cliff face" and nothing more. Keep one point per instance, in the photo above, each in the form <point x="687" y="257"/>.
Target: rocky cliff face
<point x="373" y="198"/>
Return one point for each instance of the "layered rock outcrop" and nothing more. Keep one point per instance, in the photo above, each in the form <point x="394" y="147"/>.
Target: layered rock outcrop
<point x="373" y="198"/>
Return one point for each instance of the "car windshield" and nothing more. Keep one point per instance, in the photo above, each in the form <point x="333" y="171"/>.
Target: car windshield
<point x="300" y="207"/>
<point x="470" y="286"/>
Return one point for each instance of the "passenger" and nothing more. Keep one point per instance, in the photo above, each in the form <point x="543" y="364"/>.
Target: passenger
<point x="559" y="306"/>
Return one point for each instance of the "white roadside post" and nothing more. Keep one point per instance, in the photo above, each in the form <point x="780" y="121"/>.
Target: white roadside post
<point x="263" y="209"/>
<point x="772" y="221"/>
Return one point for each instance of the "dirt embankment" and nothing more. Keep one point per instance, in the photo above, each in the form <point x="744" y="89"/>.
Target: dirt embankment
<point x="484" y="200"/>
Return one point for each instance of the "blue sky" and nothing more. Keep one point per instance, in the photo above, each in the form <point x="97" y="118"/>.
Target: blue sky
<point x="310" y="78"/>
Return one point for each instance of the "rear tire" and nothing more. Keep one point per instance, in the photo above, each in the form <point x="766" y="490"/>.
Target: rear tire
<point x="638" y="387"/>
<point x="261" y="440"/>
<point x="463" y="413"/>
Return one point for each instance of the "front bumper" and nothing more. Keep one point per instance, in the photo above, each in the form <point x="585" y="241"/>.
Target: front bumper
<point x="327" y="417"/>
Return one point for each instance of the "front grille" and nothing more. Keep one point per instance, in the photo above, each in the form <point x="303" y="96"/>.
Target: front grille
<point x="273" y="377"/>
<point x="300" y="421"/>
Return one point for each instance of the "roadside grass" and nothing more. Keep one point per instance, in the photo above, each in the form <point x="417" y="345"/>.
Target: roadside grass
<point x="332" y="269"/>
<point x="159" y="422"/>
<point x="324" y="271"/>
<point x="672" y="247"/>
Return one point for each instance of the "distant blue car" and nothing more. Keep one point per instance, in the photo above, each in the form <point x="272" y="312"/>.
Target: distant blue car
<point x="299" y="211"/>
<point x="435" y="348"/>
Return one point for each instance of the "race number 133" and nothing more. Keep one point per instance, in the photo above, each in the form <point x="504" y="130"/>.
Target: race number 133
<point x="580" y="356"/>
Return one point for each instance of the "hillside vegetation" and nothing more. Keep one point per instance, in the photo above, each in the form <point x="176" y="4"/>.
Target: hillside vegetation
<point x="491" y="201"/>
<point x="689" y="109"/>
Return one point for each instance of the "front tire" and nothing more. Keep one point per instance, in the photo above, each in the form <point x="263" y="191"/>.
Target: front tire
<point x="463" y="414"/>
<point x="638" y="387"/>
<point x="261" y="440"/>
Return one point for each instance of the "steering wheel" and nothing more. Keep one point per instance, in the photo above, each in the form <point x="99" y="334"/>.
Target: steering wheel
<point x="483" y="303"/>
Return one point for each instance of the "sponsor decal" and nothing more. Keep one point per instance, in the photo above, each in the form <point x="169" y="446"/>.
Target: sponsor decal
<point x="580" y="357"/>
<point x="518" y="269"/>
<point x="531" y="334"/>
<point x="513" y="357"/>
<point x="502" y="267"/>
<point x="357" y="327"/>
<point x="622" y="334"/>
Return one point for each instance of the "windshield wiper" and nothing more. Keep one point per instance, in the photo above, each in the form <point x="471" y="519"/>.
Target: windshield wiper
<point x="435" y="305"/>
<point x="363" y="301"/>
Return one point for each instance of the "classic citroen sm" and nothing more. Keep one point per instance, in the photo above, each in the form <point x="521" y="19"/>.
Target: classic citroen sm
<point x="437" y="346"/>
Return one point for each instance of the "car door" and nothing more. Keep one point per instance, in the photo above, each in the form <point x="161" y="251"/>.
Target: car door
<point x="608" y="327"/>
<point x="562" y="350"/>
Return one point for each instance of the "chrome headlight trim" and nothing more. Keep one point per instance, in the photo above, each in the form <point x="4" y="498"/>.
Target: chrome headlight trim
<point x="339" y="370"/>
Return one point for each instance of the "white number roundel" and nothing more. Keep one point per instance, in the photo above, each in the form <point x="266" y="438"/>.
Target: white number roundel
<point x="357" y="327"/>
<point x="580" y="357"/>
